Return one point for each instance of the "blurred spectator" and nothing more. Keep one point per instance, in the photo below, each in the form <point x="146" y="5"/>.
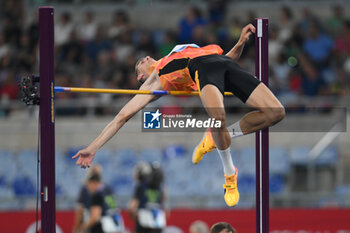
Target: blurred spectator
<point x="286" y="24"/>
<point x="218" y="34"/>
<point x="25" y="55"/>
<point x="312" y="82"/>
<point x="6" y="65"/>
<point x="318" y="46"/>
<point x="96" y="209"/>
<point x="342" y="84"/>
<point x="14" y="10"/>
<point x="187" y="26"/>
<point x="11" y="31"/>
<point x="295" y="81"/>
<point x="4" y="47"/>
<point x="251" y="16"/>
<point x="9" y="90"/>
<point x="145" y="44"/>
<point x="307" y="18"/>
<point x="120" y="25"/>
<point x="275" y="45"/>
<point x="281" y="70"/>
<point x="336" y="20"/>
<point x="147" y="208"/>
<point x="103" y="70"/>
<point x="63" y="29"/>
<point x="167" y="44"/>
<point x="71" y="53"/>
<point x="124" y="48"/>
<point x="295" y="43"/>
<point x="217" y="11"/>
<point x="87" y="30"/>
<point x="99" y="44"/>
<point x="199" y="227"/>
<point x="33" y="31"/>
<point x="200" y="36"/>
<point x="222" y="227"/>
<point x="235" y="28"/>
<point x="342" y="42"/>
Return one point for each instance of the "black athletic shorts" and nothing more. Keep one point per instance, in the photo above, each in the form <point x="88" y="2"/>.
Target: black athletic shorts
<point x="224" y="73"/>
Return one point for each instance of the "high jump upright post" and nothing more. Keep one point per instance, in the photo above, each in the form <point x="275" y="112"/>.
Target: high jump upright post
<point x="47" y="120"/>
<point x="262" y="136"/>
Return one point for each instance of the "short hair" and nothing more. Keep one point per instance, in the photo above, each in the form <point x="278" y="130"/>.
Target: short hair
<point x="95" y="177"/>
<point x="218" y="227"/>
<point x="136" y="65"/>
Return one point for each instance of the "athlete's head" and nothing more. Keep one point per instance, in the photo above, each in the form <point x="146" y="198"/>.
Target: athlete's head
<point x="94" y="182"/>
<point x="142" y="171"/>
<point x="142" y="67"/>
<point x="222" y="227"/>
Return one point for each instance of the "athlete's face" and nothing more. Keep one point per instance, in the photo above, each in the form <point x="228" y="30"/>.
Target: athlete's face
<point x="142" y="67"/>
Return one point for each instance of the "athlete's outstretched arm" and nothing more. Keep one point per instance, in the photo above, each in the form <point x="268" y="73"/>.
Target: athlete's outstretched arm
<point x="129" y="110"/>
<point x="236" y="51"/>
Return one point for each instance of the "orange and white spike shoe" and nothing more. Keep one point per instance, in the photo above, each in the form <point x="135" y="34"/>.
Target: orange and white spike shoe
<point x="231" y="190"/>
<point x="206" y="145"/>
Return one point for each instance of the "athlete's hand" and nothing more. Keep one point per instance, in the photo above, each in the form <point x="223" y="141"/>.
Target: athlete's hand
<point x="246" y="32"/>
<point x="85" y="157"/>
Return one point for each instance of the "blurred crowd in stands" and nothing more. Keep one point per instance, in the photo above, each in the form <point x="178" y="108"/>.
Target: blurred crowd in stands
<point x="309" y="56"/>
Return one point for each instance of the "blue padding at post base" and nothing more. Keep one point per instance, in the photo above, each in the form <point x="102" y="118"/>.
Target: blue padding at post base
<point x="159" y="92"/>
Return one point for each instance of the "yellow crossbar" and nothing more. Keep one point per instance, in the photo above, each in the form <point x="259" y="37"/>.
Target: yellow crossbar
<point x="130" y="92"/>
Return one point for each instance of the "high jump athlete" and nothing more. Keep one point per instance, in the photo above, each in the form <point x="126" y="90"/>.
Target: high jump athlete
<point x="205" y="69"/>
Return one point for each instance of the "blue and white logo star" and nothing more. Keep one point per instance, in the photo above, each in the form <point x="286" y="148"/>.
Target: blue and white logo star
<point x="156" y="115"/>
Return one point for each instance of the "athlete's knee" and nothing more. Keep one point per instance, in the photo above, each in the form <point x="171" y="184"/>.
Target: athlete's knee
<point x="275" y="115"/>
<point x="220" y="116"/>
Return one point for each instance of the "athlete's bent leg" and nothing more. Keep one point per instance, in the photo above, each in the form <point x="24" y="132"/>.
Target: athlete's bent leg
<point x="270" y="110"/>
<point x="212" y="100"/>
